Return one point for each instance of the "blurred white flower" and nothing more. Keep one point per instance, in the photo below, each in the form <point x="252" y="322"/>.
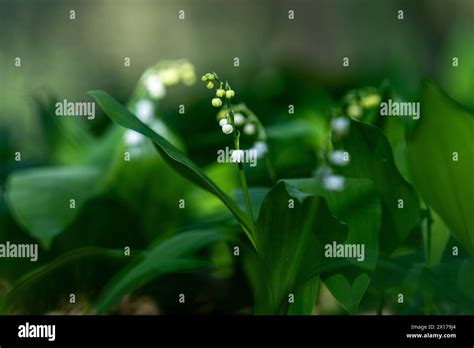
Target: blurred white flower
<point x="223" y="122"/>
<point x="261" y="148"/>
<point x="340" y="125"/>
<point x="169" y="76"/>
<point x="249" y="129"/>
<point x="188" y="76"/>
<point x="334" y="182"/>
<point x="322" y="171"/>
<point x="370" y="101"/>
<point x="339" y="158"/>
<point x="237" y="156"/>
<point x="354" y="110"/>
<point x="145" y="110"/>
<point x="159" y="127"/>
<point x="239" y="119"/>
<point x="155" y="86"/>
<point x="133" y="138"/>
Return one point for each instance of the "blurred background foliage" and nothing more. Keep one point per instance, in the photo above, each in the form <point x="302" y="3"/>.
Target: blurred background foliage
<point x="282" y="62"/>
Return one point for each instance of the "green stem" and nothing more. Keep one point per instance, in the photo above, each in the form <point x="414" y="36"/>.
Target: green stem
<point x="243" y="179"/>
<point x="252" y="234"/>
<point x="243" y="182"/>
<point x="262" y="135"/>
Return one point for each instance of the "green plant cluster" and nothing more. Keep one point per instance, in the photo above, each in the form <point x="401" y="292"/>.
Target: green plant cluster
<point x="236" y="239"/>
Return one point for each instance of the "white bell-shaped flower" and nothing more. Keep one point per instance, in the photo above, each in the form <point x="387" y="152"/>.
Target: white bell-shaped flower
<point x="334" y="183"/>
<point x="155" y="86"/>
<point x="145" y="110"/>
<point x="340" y="126"/>
<point x="261" y="148"/>
<point x="249" y="129"/>
<point x="339" y="158"/>
<point x="239" y="119"/>
<point x="227" y="129"/>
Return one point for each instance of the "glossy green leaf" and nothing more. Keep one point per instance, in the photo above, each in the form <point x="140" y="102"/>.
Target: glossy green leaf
<point x="168" y="256"/>
<point x="360" y="208"/>
<point x="175" y="158"/>
<point x="293" y="228"/>
<point x="445" y="130"/>
<point x="371" y="157"/>
<point x="39" y="199"/>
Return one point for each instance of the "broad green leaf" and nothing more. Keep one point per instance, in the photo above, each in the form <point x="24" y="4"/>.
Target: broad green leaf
<point x="466" y="279"/>
<point x="458" y="82"/>
<point x="168" y="256"/>
<point x="451" y="281"/>
<point x="298" y="128"/>
<point x="175" y="158"/>
<point x="293" y="228"/>
<point x="205" y="204"/>
<point x="441" y="160"/>
<point x="348" y="288"/>
<point x="140" y="185"/>
<point x="438" y="239"/>
<point x="40" y="199"/>
<point x="257" y="195"/>
<point x="48" y="287"/>
<point x="305" y="298"/>
<point x="67" y="139"/>
<point x="371" y="157"/>
<point x="107" y="151"/>
<point x="360" y="208"/>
